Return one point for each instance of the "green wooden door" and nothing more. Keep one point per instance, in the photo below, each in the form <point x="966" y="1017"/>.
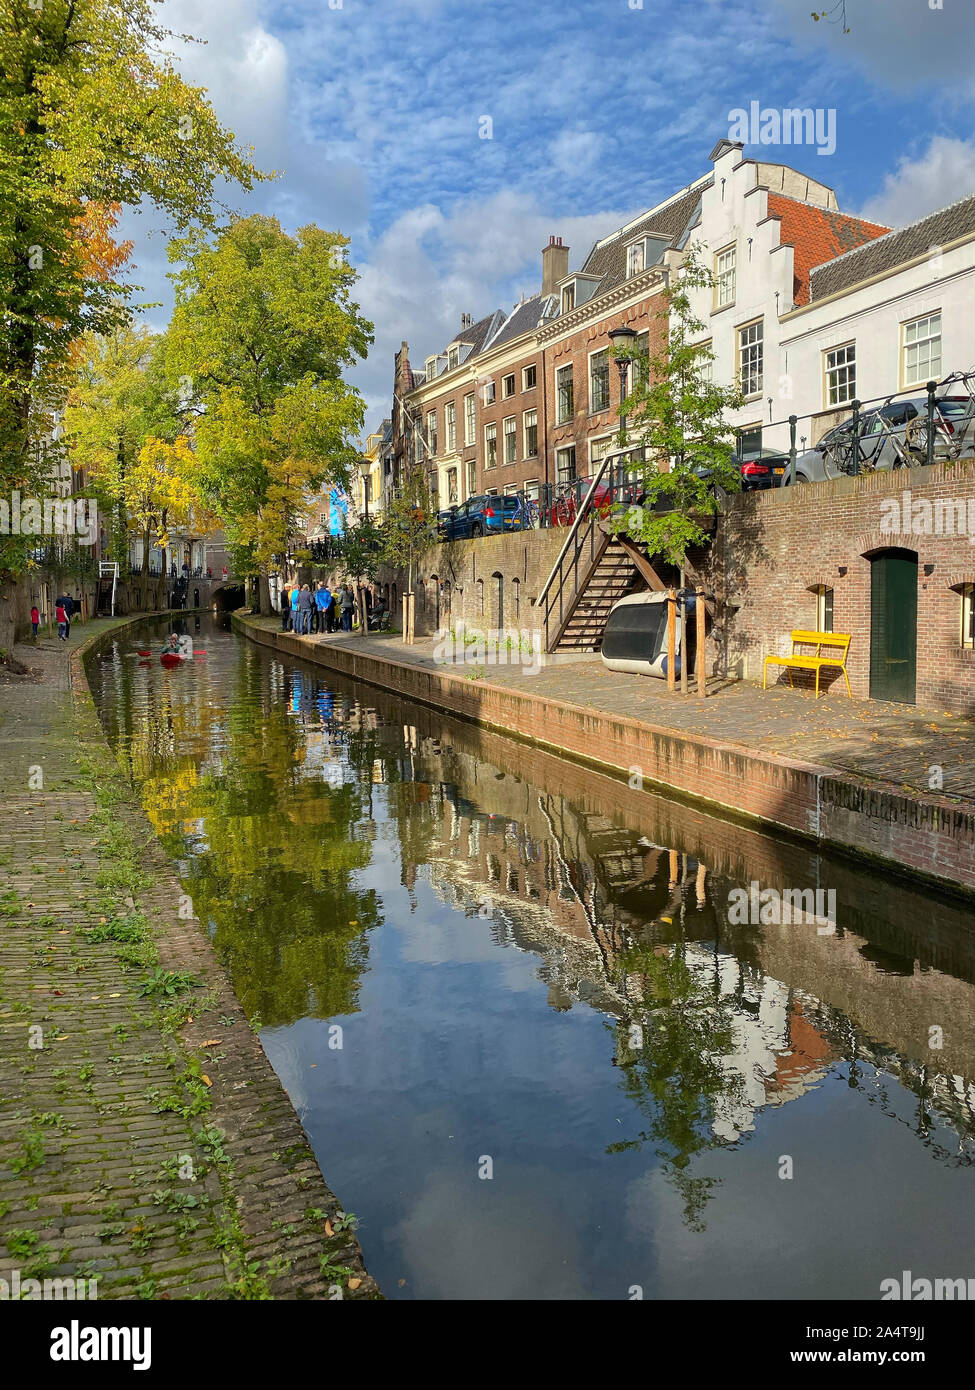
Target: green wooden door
<point x="893" y="626"/>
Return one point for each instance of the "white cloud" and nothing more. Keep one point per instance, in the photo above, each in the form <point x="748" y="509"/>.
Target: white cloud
<point x="429" y="267"/>
<point x="574" y="151"/>
<point x="943" y="174"/>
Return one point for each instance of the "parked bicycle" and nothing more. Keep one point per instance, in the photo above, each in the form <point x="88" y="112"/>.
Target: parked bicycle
<point x="950" y="423"/>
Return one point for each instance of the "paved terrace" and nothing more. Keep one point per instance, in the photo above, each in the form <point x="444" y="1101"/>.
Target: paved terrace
<point x="871" y="738"/>
<point x="144" y="1141"/>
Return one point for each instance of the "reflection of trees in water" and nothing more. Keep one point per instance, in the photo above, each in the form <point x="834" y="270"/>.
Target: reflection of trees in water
<point x="268" y="848"/>
<point x="671" y="1051"/>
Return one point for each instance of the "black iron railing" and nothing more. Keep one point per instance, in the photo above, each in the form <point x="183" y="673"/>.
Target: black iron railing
<point x="615" y="484"/>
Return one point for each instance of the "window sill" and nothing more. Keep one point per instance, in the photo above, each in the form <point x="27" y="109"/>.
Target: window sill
<point x="722" y="308"/>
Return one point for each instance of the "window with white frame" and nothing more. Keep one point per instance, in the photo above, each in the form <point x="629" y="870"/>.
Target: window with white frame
<point x="599" y="381"/>
<point x="564" y="393"/>
<point x="839" y="378"/>
<point x="487" y="392"/>
<point x="510" y="431"/>
<point x="471" y="476"/>
<point x="531" y="489"/>
<point x="450" y="427"/>
<point x="528" y="378"/>
<point x="640" y="365"/>
<point x="432" y="432"/>
<point x="922" y="349"/>
<point x="598" y="449"/>
<point x="469" y="419"/>
<point x="531" y="433"/>
<point x="490" y="446"/>
<point x="431" y="368"/>
<point x="565" y="464"/>
<point x="453" y="358"/>
<point x="705" y="362"/>
<point x="824" y="608"/>
<point x="568" y="298"/>
<point x="966" y="593"/>
<point x="507" y="386"/>
<point x="751" y="357"/>
<point x="636" y="256"/>
<point x="725" y="271"/>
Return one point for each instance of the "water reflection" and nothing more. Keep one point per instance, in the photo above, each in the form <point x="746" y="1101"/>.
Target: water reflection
<point x="505" y="955"/>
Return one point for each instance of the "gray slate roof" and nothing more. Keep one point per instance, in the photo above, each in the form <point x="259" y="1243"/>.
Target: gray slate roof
<point x="888" y="252"/>
<point x="609" y="259"/>
<point x="523" y="318"/>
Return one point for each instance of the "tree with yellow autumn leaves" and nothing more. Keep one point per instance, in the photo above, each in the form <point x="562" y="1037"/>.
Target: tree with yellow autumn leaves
<point x="263" y="330"/>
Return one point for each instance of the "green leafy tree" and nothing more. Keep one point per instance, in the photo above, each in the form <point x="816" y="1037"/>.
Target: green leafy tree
<point x="679" y="416"/>
<point x="263" y="329"/>
<point x="409" y="524"/>
<point x="93" y="117"/>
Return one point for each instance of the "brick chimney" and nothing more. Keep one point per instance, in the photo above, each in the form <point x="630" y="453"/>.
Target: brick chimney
<point x="555" y="264"/>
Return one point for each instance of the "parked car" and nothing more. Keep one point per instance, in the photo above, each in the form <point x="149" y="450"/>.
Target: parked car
<point x="759" y="469"/>
<point x="480" y="516"/>
<point x="877" y="447"/>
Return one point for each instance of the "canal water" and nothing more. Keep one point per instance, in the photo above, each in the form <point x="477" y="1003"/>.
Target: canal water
<point x="540" y="1040"/>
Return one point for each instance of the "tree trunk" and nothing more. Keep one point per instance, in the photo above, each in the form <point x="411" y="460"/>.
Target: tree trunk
<point x="8" y="625"/>
<point x="264" y="589"/>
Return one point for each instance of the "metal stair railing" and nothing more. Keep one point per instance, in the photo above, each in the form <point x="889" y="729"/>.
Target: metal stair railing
<point x="584" y="536"/>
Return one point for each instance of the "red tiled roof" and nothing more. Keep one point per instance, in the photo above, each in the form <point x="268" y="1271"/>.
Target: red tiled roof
<point x="817" y="235"/>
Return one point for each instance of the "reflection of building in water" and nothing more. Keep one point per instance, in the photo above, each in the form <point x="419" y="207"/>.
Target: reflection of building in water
<point x="569" y="883"/>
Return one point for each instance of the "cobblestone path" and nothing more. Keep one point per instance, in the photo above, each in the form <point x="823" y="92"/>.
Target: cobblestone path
<point x="145" y="1141"/>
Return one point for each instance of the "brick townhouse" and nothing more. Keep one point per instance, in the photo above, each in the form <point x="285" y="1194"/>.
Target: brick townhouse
<point x="523" y="399"/>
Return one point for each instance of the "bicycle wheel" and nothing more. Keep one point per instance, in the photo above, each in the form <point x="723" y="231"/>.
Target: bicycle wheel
<point x="919" y="431"/>
<point x="837" y="459"/>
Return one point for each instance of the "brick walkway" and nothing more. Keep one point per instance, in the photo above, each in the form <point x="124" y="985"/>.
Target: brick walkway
<point x="145" y="1140"/>
<point x="893" y="743"/>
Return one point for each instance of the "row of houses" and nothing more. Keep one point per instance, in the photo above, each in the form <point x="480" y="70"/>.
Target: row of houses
<point x="811" y="308"/>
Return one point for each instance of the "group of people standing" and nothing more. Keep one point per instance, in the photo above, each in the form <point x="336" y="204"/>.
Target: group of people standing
<point x="306" y="610"/>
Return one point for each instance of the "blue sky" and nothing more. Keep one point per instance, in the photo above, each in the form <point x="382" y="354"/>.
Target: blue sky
<point x="373" y="111"/>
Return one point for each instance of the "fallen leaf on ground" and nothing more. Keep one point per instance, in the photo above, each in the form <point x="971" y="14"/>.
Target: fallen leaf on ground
<point x="205" y="1079"/>
<point x="328" y="1229"/>
<point x="354" y="1283"/>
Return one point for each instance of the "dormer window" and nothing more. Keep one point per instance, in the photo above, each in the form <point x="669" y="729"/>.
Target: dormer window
<point x="636" y="258"/>
<point x="568" y="298"/>
<point x="431" y="368"/>
<point x="453" y="357"/>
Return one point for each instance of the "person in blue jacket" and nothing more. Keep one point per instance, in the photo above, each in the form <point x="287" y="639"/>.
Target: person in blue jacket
<point x="323" y="602"/>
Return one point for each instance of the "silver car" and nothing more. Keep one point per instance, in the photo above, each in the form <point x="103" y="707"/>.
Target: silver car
<point x="886" y="440"/>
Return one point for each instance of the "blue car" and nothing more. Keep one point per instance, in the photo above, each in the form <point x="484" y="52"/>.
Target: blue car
<point x="481" y="516"/>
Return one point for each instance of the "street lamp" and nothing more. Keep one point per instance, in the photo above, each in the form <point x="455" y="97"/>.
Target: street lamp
<point x="622" y="337"/>
<point x="365" y="468"/>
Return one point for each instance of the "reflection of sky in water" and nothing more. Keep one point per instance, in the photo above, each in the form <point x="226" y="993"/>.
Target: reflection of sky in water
<point x="454" y="1049"/>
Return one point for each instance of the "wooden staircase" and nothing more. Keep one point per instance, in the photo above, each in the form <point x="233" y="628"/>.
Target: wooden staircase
<point x="613" y="575"/>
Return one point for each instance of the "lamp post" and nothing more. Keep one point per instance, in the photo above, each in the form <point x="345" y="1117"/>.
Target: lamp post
<point x="622" y="337"/>
<point x="365" y="468"/>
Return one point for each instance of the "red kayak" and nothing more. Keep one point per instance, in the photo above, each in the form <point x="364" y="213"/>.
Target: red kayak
<point x="170" y="659"/>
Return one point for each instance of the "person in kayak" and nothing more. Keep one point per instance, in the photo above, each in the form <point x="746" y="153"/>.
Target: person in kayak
<point x="172" y="647"/>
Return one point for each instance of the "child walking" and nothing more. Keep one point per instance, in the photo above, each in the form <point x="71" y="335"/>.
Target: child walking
<point x="35" y="619"/>
<point x="62" y="618"/>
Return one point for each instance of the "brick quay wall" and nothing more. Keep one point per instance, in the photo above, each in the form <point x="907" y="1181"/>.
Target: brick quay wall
<point x="926" y="835"/>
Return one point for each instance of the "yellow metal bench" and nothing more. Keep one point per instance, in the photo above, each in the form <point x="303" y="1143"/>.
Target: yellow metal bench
<point x="837" y="645"/>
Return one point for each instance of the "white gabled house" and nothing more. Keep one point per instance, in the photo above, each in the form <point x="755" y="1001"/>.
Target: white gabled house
<point x="762" y="228"/>
<point x="884" y="318"/>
